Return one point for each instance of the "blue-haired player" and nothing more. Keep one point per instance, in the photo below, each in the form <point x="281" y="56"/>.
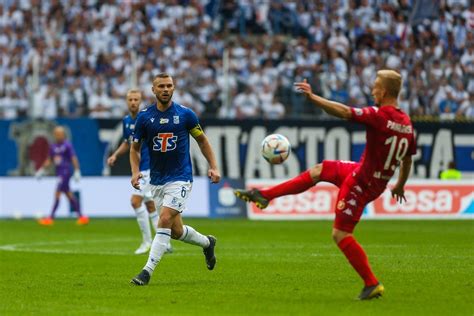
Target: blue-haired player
<point x="143" y="194"/>
<point x="164" y="128"/>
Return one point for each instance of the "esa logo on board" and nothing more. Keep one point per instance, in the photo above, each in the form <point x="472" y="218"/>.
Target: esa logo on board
<point x="164" y="142"/>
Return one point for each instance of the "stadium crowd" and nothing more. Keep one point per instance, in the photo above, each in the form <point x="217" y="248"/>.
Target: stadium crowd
<point x="88" y="53"/>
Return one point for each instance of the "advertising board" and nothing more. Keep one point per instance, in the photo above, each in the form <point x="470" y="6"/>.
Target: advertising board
<point x="425" y="199"/>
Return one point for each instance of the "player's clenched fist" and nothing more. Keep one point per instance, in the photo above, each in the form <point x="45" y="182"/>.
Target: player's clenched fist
<point x="111" y="160"/>
<point x="214" y="175"/>
<point x="136" y="180"/>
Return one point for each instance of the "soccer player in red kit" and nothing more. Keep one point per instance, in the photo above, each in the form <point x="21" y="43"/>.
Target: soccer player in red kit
<point x="390" y="143"/>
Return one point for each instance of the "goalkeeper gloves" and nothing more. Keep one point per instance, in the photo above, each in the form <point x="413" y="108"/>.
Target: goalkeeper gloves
<point x="77" y="175"/>
<point x="39" y="173"/>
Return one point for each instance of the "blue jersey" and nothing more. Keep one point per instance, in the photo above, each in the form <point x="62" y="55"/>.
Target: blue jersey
<point x="128" y="126"/>
<point x="166" y="134"/>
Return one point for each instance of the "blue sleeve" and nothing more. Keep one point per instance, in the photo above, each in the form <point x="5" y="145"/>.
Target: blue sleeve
<point x="192" y="119"/>
<point x="140" y="131"/>
<point x="192" y="124"/>
<point x="125" y="133"/>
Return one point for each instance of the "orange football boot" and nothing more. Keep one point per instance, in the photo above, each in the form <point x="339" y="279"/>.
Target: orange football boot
<point x="47" y="221"/>
<point x="83" y="220"/>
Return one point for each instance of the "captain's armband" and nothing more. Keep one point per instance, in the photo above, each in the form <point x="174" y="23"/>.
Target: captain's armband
<point x="196" y="131"/>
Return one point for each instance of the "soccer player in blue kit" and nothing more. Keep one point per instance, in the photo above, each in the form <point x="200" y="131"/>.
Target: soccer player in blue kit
<point x="164" y="128"/>
<point x="143" y="194"/>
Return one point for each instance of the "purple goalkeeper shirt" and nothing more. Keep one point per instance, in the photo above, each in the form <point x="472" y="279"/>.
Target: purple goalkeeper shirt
<point x="61" y="154"/>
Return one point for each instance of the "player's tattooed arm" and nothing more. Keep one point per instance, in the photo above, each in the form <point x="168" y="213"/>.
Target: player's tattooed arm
<point x="331" y="107"/>
<point x="398" y="191"/>
<point x="206" y="149"/>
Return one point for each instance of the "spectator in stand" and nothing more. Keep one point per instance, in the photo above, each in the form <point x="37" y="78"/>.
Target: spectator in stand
<point x="268" y="41"/>
<point x="467" y="108"/>
<point x="72" y="103"/>
<point x="468" y="15"/>
<point x="246" y="104"/>
<point x="451" y="173"/>
<point x="339" y="42"/>
<point x="273" y="110"/>
<point x="185" y="98"/>
<point x="100" y="104"/>
<point x="339" y="93"/>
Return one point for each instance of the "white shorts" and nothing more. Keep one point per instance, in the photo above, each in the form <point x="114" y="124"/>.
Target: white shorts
<point x="145" y="187"/>
<point x="173" y="194"/>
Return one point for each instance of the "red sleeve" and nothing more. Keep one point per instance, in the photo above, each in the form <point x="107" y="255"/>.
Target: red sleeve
<point x="412" y="149"/>
<point x="367" y="115"/>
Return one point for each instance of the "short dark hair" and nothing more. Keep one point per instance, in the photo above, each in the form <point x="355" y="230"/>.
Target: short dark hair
<point x="162" y="75"/>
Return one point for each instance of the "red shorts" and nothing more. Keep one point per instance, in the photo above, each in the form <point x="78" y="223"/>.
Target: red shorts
<point x="352" y="197"/>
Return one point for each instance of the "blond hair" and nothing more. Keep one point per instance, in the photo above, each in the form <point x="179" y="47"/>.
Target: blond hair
<point x="391" y="82"/>
<point x="134" y="90"/>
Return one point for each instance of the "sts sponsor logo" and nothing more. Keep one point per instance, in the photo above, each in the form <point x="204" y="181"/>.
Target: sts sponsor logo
<point x="164" y="142"/>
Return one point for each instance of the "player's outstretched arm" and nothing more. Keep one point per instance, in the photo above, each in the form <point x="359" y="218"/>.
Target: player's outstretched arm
<point x="333" y="108"/>
<point x="123" y="148"/>
<point x="135" y="164"/>
<point x="398" y="191"/>
<point x="206" y="149"/>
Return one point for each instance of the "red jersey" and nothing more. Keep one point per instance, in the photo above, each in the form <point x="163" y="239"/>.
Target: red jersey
<point x="389" y="137"/>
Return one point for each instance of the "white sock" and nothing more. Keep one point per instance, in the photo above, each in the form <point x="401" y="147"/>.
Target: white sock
<point x="143" y="223"/>
<point x="191" y="236"/>
<point x="154" y="220"/>
<point x="158" y="248"/>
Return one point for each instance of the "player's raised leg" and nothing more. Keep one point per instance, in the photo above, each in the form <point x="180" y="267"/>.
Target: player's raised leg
<point x="189" y="235"/>
<point x="296" y="185"/>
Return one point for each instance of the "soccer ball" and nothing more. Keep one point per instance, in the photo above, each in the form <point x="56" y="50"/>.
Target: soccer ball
<point x="275" y="148"/>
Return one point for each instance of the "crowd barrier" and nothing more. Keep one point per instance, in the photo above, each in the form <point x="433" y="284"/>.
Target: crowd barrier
<point x="27" y="197"/>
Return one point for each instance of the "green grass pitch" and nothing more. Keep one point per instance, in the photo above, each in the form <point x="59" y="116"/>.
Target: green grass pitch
<point x="263" y="268"/>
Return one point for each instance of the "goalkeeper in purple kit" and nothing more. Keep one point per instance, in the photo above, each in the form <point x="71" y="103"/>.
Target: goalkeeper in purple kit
<point x="63" y="156"/>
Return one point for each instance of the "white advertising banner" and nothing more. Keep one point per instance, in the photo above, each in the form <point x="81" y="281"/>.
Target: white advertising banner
<point x="99" y="197"/>
<point x="425" y="199"/>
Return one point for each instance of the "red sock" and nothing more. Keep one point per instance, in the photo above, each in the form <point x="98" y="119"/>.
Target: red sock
<point x="296" y="185"/>
<point x="358" y="259"/>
